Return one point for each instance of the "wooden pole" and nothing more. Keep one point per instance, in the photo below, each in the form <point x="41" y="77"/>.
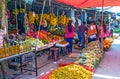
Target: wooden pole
<point x="16" y="17"/>
<point x="102" y="21"/>
<point x="4" y="22"/>
<point x="95" y="15"/>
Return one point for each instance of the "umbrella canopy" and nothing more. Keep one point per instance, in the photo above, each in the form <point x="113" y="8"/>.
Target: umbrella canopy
<point x="115" y="9"/>
<point x="90" y="3"/>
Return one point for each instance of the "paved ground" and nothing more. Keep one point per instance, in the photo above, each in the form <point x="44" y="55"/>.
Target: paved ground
<point x="109" y="68"/>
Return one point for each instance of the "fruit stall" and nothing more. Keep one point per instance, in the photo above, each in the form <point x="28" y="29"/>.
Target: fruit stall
<point x="41" y="31"/>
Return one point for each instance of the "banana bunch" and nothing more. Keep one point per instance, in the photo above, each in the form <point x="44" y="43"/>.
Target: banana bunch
<point x="31" y="18"/>
<point x="22" y="10"/>
<point x="46" y="16"/>
<point x="72" y="71"/>
<point x="63" y="19"/>
<point x="53" y="20"/>
<point x="37" y="16"/>
<point x="15" y="11"/>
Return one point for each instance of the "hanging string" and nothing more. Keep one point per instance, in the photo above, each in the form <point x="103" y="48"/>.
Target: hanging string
<point x="40" y="24"/>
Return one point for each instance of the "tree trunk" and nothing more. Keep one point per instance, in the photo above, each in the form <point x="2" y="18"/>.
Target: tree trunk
<point x="4" y="21"/>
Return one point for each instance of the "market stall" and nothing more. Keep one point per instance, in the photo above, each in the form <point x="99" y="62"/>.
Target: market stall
<point x="28" y="34"/>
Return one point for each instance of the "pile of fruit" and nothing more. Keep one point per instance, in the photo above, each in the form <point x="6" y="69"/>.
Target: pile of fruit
<point x="72" y="71"/>
<point x="25" y="47"/>
<point x="91" y="55"/>
<point x="76" y="46"/>
<point x="58" y="31"/>
<point x="44" y="35"/>
<point x="107" y="43"/>
<point x="33" y="41"/>
<point x="63" y="42"/>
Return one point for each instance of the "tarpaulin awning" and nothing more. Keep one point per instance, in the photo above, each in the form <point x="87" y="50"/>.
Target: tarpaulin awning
<point x="90" y="3"/>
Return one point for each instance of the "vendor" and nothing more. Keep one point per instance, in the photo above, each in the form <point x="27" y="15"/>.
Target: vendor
<point x="92" y="32"/>
<point x="43" y="24"/>
<point x="104" y="32"/>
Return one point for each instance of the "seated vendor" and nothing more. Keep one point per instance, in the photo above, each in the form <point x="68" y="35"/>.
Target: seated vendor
<point x="43" y="25"/>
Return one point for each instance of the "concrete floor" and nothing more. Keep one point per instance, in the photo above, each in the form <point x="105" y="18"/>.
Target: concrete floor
<point x="109" y="67"/>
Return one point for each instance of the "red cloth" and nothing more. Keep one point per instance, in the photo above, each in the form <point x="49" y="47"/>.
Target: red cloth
<point x="90" y="3"/>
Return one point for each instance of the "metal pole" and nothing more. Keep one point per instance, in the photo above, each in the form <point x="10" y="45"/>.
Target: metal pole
<point x="40" y="23"/>
<point x="38" y="36"/>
